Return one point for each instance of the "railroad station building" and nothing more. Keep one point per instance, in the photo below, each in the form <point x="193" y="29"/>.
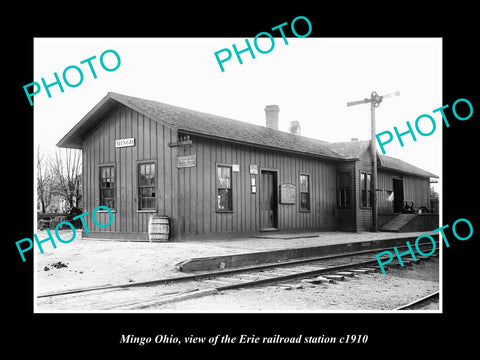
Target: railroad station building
<point x="218" y="177"/>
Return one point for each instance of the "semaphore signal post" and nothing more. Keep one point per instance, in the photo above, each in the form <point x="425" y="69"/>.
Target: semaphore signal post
<point x="374" y="101"/>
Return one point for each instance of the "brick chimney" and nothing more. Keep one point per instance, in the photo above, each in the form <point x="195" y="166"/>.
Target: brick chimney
<point x="271" y="114"/>
<point x="295" y="127"/>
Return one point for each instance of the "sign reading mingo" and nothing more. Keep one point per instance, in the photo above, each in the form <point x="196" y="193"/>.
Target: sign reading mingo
<point x="124" y="142"/>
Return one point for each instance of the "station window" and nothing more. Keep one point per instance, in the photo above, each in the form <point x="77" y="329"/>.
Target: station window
<point x="224" y="188"/>
<point x="107" y="186"/>
<point x="146" y="186"/>
<point x="344" y="199"/>
<point x="366" y="189"/>
<point x="304" y="192"/>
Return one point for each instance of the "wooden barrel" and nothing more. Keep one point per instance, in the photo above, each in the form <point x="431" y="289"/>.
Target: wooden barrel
<point x="158" y="228"/>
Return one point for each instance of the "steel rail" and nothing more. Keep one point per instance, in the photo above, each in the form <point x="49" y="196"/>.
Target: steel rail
<point x="419" y="301"/>
<point x="300" y="275"/>
<point x="218" y="273"/>
<point x="196" y="293"/>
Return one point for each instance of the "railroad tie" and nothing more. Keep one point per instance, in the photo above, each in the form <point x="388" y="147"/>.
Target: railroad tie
<point x="396" y="264"/>
<point x="223" y="280"/>
<point x="411" y="260"/>
<point x="363" y="271"/>
<point x="281" y="271"/>
<point x="250" y="277"/>
<point x="312" y="267"/>
<point x="335" y="277"/>
<point x="346" y="273"/>
<point x="290" y="286"/>
<point x="317" y="280"/>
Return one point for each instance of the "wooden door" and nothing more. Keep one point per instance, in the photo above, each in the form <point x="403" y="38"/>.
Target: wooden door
<point x="268" y="200"/>
<point x="397" y="195"/>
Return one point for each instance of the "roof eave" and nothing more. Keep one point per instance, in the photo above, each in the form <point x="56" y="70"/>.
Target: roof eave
<point x="213" y="137"/>
<point x="74" y="138"/>
<point x="428" y="175"/>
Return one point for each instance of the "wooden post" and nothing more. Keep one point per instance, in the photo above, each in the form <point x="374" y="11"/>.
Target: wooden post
<point x="373" y="149"/>
<point x="374" y="101"/>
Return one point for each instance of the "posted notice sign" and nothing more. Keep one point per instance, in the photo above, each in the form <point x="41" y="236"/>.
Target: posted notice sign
<point x="184" y="161"/>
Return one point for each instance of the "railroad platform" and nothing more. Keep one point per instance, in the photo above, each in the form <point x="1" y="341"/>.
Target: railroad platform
<point x="278" y="247"/>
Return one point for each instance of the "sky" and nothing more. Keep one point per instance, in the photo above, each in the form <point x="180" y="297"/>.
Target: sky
<point x="310" y="79"/>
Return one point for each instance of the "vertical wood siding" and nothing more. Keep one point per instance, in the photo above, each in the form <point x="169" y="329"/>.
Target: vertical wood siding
<point x="151" y="139"/>
<point x="415" y="188"/>
<point x="364" y="215"/>
<point x="197" y="189"/>
<point x="385" y="184"/>
<point x="188" y="195"/>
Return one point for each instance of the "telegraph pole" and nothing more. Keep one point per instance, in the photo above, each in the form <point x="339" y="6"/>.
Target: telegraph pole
<point x="374" y="101"/>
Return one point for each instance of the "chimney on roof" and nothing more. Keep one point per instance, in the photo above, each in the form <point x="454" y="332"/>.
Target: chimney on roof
<point x="271" y="114"/>
<point x="295" y="127"/>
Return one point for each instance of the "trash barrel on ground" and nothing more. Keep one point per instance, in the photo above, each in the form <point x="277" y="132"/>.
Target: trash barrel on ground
<point x="158" y="228"/>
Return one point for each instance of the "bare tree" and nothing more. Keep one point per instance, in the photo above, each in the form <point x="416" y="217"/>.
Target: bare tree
<point x="67" y="175"/>
<point x="44" y="180"/>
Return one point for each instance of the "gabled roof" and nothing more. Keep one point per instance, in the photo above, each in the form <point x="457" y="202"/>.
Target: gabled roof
<point x="388" y="162"/>
<point x="213" y="126"/>
<point x="350" y="150"/>
<point x="353" y="150"/>
<point x="196" y="122"/>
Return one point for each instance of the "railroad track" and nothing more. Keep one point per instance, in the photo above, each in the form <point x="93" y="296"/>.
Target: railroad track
<point x="154" y="293"/>
<point x="421" y="303"/>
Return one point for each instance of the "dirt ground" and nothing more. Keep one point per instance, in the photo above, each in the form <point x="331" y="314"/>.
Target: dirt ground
<point x="84" y="263"/>
<point x="365" y="292"/>
<point x="92" y="263"/>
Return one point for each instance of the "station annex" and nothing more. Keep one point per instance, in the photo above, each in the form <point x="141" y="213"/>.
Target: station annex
<point x="217" y="177"/>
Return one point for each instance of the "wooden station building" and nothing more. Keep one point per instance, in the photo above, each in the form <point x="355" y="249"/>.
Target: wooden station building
<point x="214" y="176"/>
